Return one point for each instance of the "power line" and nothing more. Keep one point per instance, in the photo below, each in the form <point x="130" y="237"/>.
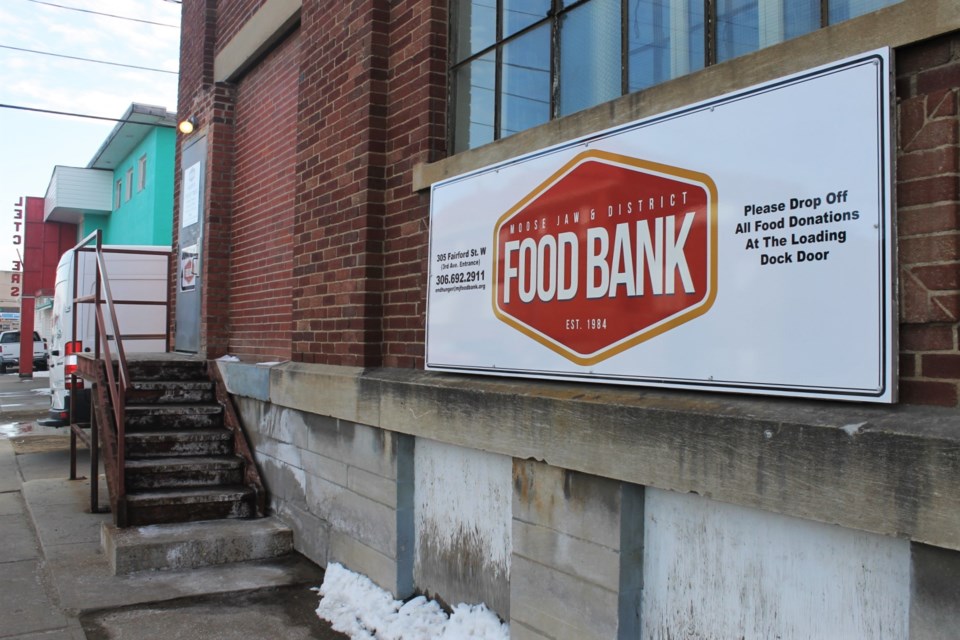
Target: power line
<point x="109" y="15"/>
<point x="114" y="64"/>
<point x="82" y="115"/>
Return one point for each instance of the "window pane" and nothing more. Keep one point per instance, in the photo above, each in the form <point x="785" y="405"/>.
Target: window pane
<point x="520" y="14"/>
<point x="525" y="101"/>
<point x="590" y="65"/>
<point x="841" y="10"/>
<point x="665" y="41"/>
<point x="476" y="26"/>
<point x="142" y="173"/>
<point x="800" y="17"/>
<point x="780" y="20"/>
<point x="474" y="99"/>
<point x="738" y="28"/>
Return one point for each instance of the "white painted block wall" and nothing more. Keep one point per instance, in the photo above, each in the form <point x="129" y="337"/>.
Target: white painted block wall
<point x="714" y="570"/>
<point x="462" y="523"/>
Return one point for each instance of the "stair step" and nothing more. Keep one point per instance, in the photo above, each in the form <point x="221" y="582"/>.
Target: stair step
<point x="147" y="417"/>
<point x="167" y="443"/>
<point x="171" y="392"/>
<point x="176" y="368"/>
<point x="189" y="504"/>
<point x="183" y="471"/>
<point x="192" y="545"/>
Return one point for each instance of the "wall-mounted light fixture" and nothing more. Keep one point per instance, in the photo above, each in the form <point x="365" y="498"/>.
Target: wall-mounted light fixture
<point x="187" y="126"/>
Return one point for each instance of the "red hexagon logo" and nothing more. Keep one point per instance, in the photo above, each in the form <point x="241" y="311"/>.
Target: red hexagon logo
<point x="608" y="252"/>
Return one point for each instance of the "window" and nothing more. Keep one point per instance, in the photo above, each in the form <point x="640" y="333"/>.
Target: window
<point x="141" y="173"/>
<point x="518" y="63"/>
<point x="117" y="194"/>
<point x="129" y="192"/>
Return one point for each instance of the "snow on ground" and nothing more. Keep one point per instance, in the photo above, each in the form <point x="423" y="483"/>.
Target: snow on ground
<point x="359" y="608"/>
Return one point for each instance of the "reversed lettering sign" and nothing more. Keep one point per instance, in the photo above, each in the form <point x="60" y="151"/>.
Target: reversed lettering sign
<point x="740" y="245"/>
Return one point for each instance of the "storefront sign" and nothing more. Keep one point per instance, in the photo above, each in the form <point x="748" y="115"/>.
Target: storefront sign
<point x="17" y="239"/>
<point x="743" y="244"/>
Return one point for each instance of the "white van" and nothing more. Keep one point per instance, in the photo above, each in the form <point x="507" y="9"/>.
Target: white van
<point x="133" y="276"/>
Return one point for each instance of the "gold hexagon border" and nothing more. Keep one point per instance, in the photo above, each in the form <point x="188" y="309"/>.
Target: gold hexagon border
<point x="622" y="345"/>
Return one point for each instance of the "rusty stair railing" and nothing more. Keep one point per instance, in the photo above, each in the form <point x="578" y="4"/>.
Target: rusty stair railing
<point x="110" y="387"/>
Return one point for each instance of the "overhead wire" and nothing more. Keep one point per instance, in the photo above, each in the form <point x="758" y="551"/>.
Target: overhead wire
<point x="108" y="15"/>
<point x="74" y="114"/>
<point x="114" y="64"/>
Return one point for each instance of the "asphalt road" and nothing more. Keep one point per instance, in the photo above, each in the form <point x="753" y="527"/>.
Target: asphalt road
<point x="22" y="400"/>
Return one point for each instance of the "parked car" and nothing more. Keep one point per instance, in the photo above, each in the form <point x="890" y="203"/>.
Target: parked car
<point x="10" y="351"/>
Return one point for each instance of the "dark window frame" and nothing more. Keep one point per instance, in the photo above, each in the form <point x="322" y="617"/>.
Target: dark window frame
<point x="558" y="9"/>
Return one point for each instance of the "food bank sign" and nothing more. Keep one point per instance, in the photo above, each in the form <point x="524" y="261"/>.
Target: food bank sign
<point x="606" y="253"/>
<point x="737" y="245"/>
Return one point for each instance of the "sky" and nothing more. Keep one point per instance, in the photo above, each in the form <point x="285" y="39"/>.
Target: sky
<point x="31" y="143"/>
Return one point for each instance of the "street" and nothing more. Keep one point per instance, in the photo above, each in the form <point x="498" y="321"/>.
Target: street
<point x="23" y="398"/>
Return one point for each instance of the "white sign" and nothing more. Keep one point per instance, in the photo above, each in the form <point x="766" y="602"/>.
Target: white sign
<point x="191" y="195"/>
<point x="742" y="244"/>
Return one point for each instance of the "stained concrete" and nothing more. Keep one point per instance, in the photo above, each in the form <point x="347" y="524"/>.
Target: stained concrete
<point x="283" y="612"/>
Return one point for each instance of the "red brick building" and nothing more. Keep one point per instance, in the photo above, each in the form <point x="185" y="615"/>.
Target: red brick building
<point x="324" y="126"/>
<point x="44" y="243"/>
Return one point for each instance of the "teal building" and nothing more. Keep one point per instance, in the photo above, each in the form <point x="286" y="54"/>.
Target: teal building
<point x="127" y="188"/>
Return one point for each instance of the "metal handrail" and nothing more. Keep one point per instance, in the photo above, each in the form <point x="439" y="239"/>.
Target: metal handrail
<point x="117" y="385"/>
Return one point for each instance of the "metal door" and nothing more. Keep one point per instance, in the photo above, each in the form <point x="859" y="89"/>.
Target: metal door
<point x="193" y="162"/>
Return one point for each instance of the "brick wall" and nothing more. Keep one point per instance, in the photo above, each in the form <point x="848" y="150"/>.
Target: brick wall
<point x="198" y="25"/>
<point x="213" y="107"/>
<point x="928" y="218"/>
<point x="372" y="104"/>
<point x="338" y="232"/>
<point x="231" y="16"/>
<point x="218" y="124"/>
<point x="416" y="132"/>
<point x="262" y="206"/>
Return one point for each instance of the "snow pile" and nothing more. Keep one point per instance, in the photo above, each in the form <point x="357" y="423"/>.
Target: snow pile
<point x="359" y="608"/>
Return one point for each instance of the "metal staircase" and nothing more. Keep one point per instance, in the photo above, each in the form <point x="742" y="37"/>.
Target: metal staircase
<point x="184" y="457"/>
<point x="172" y="444"/>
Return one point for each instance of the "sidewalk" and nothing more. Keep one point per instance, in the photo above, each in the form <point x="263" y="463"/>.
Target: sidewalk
<point x="57" y="583"/>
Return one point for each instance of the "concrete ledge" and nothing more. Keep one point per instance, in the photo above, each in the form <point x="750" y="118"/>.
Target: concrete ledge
<point x="262" y="30"/>
<point x="245" y="380"/>
<point x="889" y="470"/>
<point x="194" y="544"/>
